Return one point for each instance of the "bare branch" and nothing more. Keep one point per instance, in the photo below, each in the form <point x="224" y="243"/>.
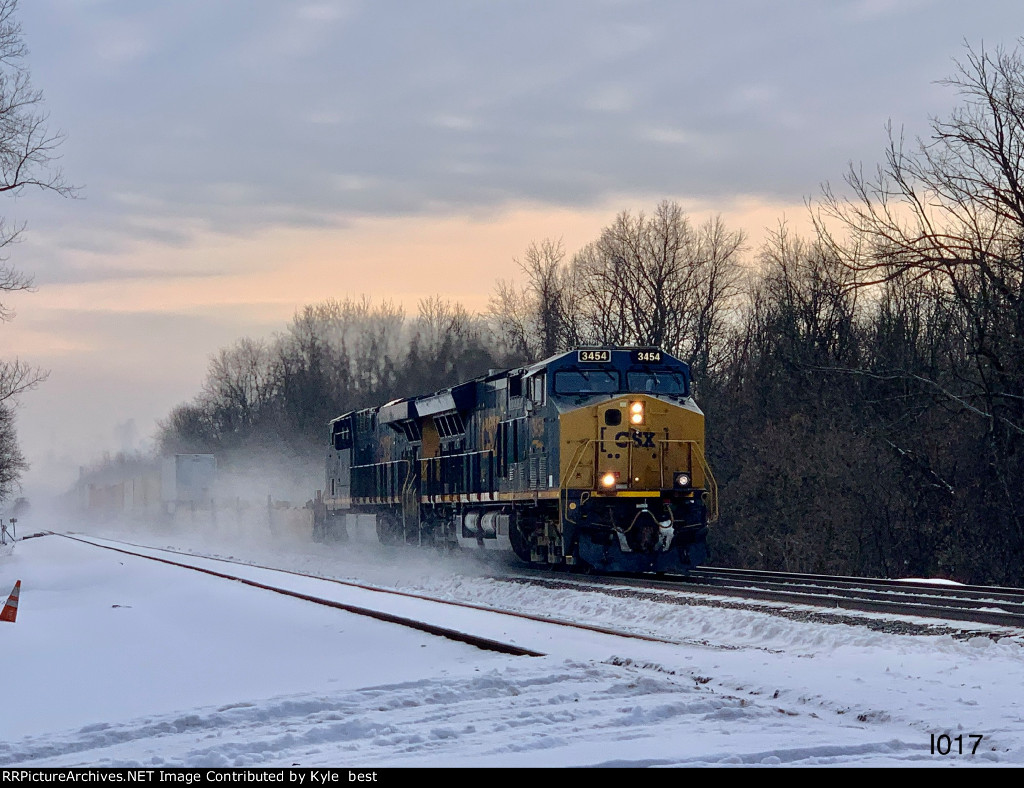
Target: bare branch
<point x="16" y="377"/>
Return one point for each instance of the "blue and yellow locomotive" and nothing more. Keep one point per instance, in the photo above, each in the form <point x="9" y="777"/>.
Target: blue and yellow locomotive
<point x="593" y="457"/>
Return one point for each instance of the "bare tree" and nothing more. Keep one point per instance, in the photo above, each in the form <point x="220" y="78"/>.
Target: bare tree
<point x="188" y="429"/>
<point x="28" y="156"/>
<point x="538" y="320"/>
<point x="542" y="264"/>
<point x="655" y="280"/>
<point x="948" y="212"/>
<point x="952" y="208"/>
<point x="28" y="147"/>
<point x="718" y="276"/>
<point x="17" y="377"/>
<point x="508" y="311"/>
<point x="351" y="345"/>
<point x="240" y="385"/>
<point x="440" y="321"/>
<point x="12" y="462"/>
<point x="447" y="345"/>
<point x="813" y="299"/>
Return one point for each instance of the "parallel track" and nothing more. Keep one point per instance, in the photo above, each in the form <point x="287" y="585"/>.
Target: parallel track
<point x="977" y="604"/>
<point x="997" y="606"/>
<point x="452" y="634"/>
<point x="994" y="605"/>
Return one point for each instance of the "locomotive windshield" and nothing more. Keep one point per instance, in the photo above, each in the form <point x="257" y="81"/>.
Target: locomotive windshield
<point x="587" y="381"/>
<point x="661" y="382"/>
<point x="673" y="382"/>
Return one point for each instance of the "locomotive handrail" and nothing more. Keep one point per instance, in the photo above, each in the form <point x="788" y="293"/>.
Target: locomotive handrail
<point x="577" y="458"/>
<point x="409" y="477"/>
<point x="378" y="464"/>
<point x="409" y="481"/>
<point x="564" y="483"/>
<point x="428" y="466"/>
<point x="389" y="463"/>
<point x="710" y="484"/>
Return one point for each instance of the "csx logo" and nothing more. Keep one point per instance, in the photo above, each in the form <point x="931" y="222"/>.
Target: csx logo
<point x="643" y="440"/>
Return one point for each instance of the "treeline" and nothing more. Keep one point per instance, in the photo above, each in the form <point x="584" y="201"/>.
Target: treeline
<point x="333" y="357"/>
<point x="864" y="386"/>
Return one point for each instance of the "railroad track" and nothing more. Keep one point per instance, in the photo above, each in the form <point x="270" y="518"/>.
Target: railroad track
<point x="983" y="605"/>
<point x="235" y="570"/>
<point x="978" y="604"/>
<point x="991" y="605"/>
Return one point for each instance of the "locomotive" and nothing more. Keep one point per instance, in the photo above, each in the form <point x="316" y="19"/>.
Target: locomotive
<point x="591" y="458"/>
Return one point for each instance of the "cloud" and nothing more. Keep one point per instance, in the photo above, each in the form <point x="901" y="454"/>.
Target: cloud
<point x="872" y="10"/>
<point x="233" y="116"/>
<point x="610" y="98"/>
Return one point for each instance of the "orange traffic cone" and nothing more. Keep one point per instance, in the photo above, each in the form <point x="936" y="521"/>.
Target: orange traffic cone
<point x="10" y="611"/>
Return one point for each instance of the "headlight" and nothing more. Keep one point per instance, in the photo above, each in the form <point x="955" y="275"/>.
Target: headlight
<point x="609" y="479"/>
<point x="682" y="479"/>
<point x="636" y="413"/>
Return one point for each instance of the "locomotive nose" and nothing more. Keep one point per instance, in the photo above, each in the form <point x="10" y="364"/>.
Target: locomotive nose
<point x="628" y="455"/>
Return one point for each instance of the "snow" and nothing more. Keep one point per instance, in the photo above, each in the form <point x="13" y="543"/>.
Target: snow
<point x="121" y="661"/>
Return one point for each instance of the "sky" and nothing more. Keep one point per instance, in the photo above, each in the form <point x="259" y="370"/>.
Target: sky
<point x="158" y="666"/>
<point x="238" y="160"/>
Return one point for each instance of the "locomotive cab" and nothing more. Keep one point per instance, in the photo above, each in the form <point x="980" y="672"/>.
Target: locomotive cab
<point x="636" y="491"/>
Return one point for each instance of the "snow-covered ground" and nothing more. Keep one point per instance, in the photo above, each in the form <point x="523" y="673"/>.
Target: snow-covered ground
<point x="116" y="660"/>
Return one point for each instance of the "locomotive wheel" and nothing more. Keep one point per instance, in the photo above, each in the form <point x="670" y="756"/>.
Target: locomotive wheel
<point x="389" y="529"/>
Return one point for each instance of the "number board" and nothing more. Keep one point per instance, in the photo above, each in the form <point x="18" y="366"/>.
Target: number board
<point x="646" y="356"/>
<point x="594" y="356"/>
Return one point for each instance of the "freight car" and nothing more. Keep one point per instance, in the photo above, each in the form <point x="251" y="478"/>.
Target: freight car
<point x="593" y="457"/>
